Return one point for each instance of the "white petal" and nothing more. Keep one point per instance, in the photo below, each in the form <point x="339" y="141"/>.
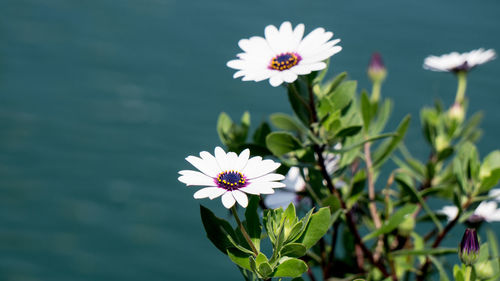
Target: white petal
<point x="220" y="156"/>
<point x="241" y="198"/>
<point x="205" y="167"/>
<point x="242" y="160"/>
<point x="261" y="188"/>
<point x="273" y="38"/>
<point x="256" y="169"/>
<point x="268" y="178"/>
<point x="211" y="161"/>
<point x="210" y="192"/>
<point x="275" y="80"/>
<point x="232" y="159"/>
<point x="298" y="32"/>
<point x="288" y="76"/>
<point x="228" y="200"/>
<point x="195" y="178"/>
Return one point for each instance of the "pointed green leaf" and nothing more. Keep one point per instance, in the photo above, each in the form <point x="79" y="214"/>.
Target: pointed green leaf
<point x="348" y="132"/>
<point x="385" y="150"/>
<point x="253" y="226"/>
<point x="295" y="250"/>
<point x="397" y="218"/>
<point x="286" y="122"/>
<point x="290" y="268"/>
<point x="218" y="230"/>
<point x="318" y="225"/>
<point x="239" y="258"/>
<point x="280" y="143"/>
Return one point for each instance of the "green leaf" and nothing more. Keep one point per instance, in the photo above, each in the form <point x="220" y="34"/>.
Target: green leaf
<point x="392" y="223"/>
<point x="318" y="225"/>
<point x="239" y="258"/>
<point x="348" y="132"/>
<point x="290" y="268"/>
<point x="286" y="122"/>
<point x="489" y="172"/>
<point x="224" y="125"/>
<point x="425" y="252"/>
<point x="295" y="250"/>
<point x="218" y="230"/>
<point x="492" y="240"/>
<point x="260" y="134"/>
<point x="299" y="100"/>
<point x="265" y="270"/>
<point x="458" y="273"/>
<point x="253" y="226"/>
<point x="382" y="117"/>
<point x="410" y="188"/>
<point x="342" y="95"/>
<point x="336" y="82"/>
<point x="280" y="143"/>
<point x="366" y="110"/>
<point x="442" y="273"/>
<point x="385" y="150"/>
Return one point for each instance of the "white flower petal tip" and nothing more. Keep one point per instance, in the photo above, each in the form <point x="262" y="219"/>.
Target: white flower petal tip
<point x="486" y="211"/>
<point x="231" y="176"/>
<point x="455" y="62"/>
<point x="283" y="54"/>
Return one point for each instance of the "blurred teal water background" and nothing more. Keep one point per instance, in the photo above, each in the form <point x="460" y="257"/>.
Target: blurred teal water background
<point x="101" y="101"/>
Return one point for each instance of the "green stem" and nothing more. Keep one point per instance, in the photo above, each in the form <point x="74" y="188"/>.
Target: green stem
<point x="245" y="234"/>
<point x="462" y="85"/>
<point x="468" y="273"/>
<point x="376" y="89"/>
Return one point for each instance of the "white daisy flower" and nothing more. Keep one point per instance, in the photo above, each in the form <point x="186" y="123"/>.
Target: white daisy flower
<point x="283" y="54"/>
<point x="231" y="176"/>
<point x="454" y="62"/>
<point x="486" y="211"/>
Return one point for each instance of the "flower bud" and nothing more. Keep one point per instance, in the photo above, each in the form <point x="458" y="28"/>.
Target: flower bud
<point x="469" y="247"/>
<point x="376" y="69"/>
<point x="456" y="113"/>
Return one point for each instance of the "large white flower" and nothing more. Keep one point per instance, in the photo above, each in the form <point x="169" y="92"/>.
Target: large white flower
<point x="454" y="62"/>
<point x="283" y="54"/>
<point x="486" y="211"/>
<point x="231" y="176"/>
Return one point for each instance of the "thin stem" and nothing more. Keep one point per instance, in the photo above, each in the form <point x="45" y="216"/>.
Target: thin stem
<point x="468" y="273"/>
<point x="462" y="85"/>
<point x="245" y="234"/>
<point x="376" y="89"/>
<point x="371" y="195"/>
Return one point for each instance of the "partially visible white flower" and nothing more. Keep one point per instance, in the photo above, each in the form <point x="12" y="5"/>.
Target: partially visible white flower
<point x="295" y="184"/>
<point x="485" y="211"/>
<point x="454" y="62"/>
<point x="495" y="193"/>
<point x="283" y="197"/>
<point x="231" y="176"/>
<point x="283" y="54"/>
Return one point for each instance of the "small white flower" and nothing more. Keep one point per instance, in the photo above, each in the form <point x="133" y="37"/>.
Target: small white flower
<point x="231" y="176"/>
<point x="495" y="193"/>
<point x="283" y="54"/>
<point x="486" y="211"/>
<point x="454" y="62"/>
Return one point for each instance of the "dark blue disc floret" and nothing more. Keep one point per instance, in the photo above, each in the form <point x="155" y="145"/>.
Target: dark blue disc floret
<point x="285" y="61"/>
<point x="231" y="180"/>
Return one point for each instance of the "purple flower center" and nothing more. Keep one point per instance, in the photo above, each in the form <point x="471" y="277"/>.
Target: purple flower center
<point x="285" y="61"/>
<point x="231" y="180"/>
